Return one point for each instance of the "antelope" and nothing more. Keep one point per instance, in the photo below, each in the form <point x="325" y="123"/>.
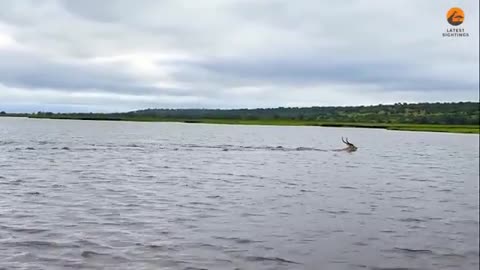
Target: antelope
<point x="350" y="146"/>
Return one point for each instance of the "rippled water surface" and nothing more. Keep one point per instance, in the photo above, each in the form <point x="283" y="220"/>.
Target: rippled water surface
<point x="120" y="195"/>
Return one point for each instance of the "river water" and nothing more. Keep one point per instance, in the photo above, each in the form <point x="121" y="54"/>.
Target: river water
<point x="128" y="195"/>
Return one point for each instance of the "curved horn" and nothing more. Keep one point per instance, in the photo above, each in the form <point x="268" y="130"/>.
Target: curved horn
<point x="344" y="141"/>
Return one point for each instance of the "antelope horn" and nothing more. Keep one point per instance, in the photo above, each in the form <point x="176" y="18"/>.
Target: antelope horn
<point x="344" y="141"/>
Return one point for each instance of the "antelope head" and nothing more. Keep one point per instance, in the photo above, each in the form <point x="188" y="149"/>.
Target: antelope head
<point x="350" y="146"/>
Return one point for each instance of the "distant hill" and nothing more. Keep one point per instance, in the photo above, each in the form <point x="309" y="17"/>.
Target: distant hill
<point x="458" y="113"/>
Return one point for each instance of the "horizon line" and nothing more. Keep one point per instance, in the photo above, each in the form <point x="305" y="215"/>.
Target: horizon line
<point x="247" y="108"/>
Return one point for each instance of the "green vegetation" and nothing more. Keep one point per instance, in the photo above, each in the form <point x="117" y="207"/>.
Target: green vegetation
<point x="5" y="114"/>
<point x="461" y="117"/>
<point x="405" y="127"/>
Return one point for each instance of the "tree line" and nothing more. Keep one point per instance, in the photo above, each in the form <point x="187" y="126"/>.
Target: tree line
<point x="455" y="113"/>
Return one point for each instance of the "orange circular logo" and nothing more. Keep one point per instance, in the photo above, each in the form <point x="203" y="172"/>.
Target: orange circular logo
<point x="455" y="16"/>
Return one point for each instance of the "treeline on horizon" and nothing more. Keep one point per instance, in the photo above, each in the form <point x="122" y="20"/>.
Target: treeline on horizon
<point x="457" y="113"/>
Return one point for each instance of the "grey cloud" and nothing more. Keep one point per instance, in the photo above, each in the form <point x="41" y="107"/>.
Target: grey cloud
<point x="33" y="72"/>
<point x="295" y="70"/>
<point x="325" y="50"/>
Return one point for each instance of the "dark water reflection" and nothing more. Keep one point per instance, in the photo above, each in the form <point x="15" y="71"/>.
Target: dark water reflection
<point x="115" y="195"/>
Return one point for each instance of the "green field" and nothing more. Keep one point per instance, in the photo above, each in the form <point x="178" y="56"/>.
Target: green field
<point x="453" y="117"/>
<point x="287" y="122"/>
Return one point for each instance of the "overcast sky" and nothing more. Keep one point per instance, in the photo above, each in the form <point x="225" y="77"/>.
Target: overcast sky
<point x="108" y="56"/>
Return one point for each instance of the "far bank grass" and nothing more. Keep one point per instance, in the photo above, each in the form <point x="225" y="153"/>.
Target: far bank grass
<point x="475" y="129"/>
<point x="405" y="127"/>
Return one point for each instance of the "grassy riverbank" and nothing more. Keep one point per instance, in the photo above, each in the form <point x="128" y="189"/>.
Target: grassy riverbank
<point x="285" y="122"/>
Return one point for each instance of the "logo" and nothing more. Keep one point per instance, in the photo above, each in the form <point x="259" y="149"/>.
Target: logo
<point x="455" y="16"/>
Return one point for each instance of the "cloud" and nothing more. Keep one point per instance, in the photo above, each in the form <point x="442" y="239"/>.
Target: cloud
<point x="33" y="72"/>
<point x="225" y="53"/>
<point x="297" y="70"/>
